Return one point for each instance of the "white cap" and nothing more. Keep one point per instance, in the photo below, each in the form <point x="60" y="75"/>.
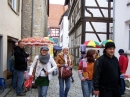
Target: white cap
<point x="65" y="46"/>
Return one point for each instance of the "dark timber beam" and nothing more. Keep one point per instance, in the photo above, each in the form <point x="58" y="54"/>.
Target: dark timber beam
<point x="83" y="22"/>
<point x="107" y="31"/>
<point x="72" y="8"/>
<point x="95" y="31"/>
<point x="99" y="19"/>
<point x="95" y="7"/>
<point x="108" y="25"/>
<point x="99" y="9"/>
<point x="109" y="9"/>
<point x="89" y="11"/>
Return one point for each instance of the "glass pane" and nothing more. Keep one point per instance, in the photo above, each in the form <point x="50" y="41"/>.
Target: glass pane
<point x="129" y="26"/>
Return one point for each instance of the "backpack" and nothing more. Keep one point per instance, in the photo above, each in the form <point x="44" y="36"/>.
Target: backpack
<point x="12" y="63"/>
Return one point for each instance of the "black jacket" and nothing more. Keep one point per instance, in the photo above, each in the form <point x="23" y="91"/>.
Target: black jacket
<point x="106" y="73"/>
<point x="20" y="59"/>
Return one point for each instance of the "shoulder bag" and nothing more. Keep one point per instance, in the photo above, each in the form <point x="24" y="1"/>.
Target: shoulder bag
<point x="64" y="72"/>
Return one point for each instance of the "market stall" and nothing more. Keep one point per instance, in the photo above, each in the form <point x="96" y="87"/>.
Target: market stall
<point x="40" y="41"/>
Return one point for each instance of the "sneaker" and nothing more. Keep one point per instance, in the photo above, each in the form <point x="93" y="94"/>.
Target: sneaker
<point x="13" y="88"/>
<point x="72" y="80"/>
<point x="21" y="94"/>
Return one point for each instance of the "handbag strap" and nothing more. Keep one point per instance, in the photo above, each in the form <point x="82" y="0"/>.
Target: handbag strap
<point x="44" y="70"/>
<point x="37" y="62"/>
<point x="69" y="59"/>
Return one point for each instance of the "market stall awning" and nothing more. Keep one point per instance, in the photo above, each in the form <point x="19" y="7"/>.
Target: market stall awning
<point x="37" y="41"/>
<point x="91" y="43"/>
<point x="104" y="42"/>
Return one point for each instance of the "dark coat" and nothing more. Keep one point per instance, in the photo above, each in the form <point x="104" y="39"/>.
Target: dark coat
<point x="106" y="73"/>
<point x="20" y="59"/>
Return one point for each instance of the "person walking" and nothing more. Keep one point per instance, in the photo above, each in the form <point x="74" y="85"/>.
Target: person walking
<point x="106" y="77"/>
<point x="45" y="65"/>
<point x="85" y="71"/>
<point x="64" y="59"/>
<point x="83" y="52"/>
<point x="20" y="66"/>
<point x="83" y="55"/>
<point x="123" y="62"/>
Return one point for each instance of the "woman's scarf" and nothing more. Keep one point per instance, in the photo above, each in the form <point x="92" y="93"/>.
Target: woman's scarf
<point x="44" y="59"/>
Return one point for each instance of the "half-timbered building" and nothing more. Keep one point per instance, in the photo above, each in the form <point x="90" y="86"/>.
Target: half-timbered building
<point x="88" y="20"/>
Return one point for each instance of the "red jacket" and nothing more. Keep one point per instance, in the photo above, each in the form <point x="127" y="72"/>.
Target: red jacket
<point x="123" y="62"/>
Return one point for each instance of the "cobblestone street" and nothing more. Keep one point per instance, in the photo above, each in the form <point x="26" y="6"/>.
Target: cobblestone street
<point x="53" y="91"/>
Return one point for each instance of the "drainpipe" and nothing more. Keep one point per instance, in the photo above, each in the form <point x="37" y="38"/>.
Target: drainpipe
<point x="32" y="20"/>
<point x="22" y="21"/>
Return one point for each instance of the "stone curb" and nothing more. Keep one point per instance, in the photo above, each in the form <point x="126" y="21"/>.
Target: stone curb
<point x="6" y="91"/>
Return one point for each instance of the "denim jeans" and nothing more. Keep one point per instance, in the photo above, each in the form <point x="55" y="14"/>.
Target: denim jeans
<point x="122" y="88"/>
<point x="14" y="78"/>
<point x="64" y="93"/>
<point x="87" y="87"/>
<point x="42" y="91"/>
<point x="18" y="79"/>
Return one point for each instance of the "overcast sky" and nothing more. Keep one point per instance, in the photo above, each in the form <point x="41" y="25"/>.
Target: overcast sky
<point x="57" y="2"/>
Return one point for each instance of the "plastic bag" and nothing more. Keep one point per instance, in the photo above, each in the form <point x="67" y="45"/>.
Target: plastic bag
<point x="26" y="75"/>
<point x="28" y="83"/>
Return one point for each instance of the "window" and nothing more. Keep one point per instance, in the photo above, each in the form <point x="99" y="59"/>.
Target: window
<point x="15" y="5"/>
<point x="129" y="36"/>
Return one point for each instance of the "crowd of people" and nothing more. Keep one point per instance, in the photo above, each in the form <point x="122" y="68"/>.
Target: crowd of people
<point x="99" y="75"/>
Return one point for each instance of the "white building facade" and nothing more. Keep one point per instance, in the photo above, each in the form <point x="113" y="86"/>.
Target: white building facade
<point x="64" y="38"/>
<point x="10" y="30"/>
<point x="122" y="27"/>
